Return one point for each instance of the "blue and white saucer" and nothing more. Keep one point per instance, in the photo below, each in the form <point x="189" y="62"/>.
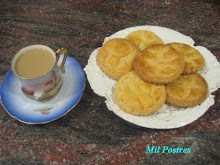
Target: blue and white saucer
<point x="38" y="112"/>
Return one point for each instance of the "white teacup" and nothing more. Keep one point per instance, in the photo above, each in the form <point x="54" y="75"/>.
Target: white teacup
<point x="37" y="69"/>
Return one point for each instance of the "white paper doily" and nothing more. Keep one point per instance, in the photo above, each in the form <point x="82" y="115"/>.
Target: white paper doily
<point x="168" y="116"/>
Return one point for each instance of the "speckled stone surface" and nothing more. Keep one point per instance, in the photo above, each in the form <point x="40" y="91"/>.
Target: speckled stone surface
<point x="90" y="133"/>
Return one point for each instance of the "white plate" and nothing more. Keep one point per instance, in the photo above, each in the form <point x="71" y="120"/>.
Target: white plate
<point x="168" y="116"/>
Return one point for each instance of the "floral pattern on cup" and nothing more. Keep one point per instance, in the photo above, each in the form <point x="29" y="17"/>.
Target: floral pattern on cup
<point x="46" y="89"/>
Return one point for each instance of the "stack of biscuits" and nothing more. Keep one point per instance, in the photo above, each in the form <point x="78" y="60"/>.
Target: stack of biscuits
<point x="150" y="73"/>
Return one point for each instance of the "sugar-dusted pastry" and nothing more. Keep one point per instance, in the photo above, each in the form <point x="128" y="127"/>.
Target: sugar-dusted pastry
<point x="194" y="61"/>
<point x="187" y="90"/>
<point x="137" y="97"/>
<point x="143" y="38"/>
<point x="159" y="64"/>
<point x="116" y="57"/>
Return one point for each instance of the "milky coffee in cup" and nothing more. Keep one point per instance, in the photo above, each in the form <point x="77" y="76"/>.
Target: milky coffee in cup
<point x="34" y="63"/>
<point x="36" y="68"/>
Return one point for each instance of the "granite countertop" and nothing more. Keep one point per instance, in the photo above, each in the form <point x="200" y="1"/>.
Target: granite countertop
<point x="90" y="133"/>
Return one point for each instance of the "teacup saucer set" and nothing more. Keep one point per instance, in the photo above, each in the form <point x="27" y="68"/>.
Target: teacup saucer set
<point x="32" y="111"/>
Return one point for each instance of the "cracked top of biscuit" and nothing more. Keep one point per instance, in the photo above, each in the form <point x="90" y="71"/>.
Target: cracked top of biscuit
<point x="143" y="38"/>
<point x="159" y="64"/>
<point x="194" y="61"/>
<point x="187" y="90"/>
<point x="116" y="57"/>
<point x="137" y="97"/>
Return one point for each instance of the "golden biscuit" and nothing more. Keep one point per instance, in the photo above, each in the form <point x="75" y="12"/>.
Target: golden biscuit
<point x="194" y="61"/>
<point x="159" y="64"/>
<point x="116" y="57"/>
<point x="187" y="91"/>
<point x="143" y="38"/>
<point x="137" y="97"/>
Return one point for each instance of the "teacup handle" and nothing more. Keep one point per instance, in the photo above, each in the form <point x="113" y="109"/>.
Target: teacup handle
<point x="58" y="53"/>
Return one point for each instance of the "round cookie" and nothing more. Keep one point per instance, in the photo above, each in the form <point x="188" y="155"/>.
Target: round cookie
<point x="116" y="57"/>
<point x="194" y="61"/>
<point x="143" y="38"/>
<point x="137" y="97"/>
<point x="187" y="90"/>
<point x="159" y="64"/>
